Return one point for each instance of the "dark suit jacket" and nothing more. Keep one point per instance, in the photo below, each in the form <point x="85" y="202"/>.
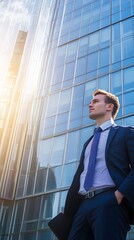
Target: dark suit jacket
<point x="120" y="163"/>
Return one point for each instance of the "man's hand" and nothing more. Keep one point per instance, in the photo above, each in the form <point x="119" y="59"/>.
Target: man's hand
<point x="119" y="196"/>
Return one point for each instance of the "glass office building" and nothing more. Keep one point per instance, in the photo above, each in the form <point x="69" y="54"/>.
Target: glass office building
<point x="53" y="54"/>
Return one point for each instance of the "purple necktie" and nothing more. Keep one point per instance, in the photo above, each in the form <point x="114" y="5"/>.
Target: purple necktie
<point x="92" y="159"/>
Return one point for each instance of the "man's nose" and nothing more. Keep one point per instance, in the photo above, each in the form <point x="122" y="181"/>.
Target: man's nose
<point x="90" y="105"/>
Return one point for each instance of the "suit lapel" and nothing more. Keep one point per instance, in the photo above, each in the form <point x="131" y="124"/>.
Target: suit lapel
<point x="112" y="133"/>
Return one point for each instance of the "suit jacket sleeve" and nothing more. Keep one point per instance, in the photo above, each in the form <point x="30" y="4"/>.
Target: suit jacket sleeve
<point x="127" y="186"/>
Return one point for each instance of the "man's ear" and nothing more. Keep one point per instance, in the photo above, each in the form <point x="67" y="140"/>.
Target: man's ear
<point x="110" y="106"/>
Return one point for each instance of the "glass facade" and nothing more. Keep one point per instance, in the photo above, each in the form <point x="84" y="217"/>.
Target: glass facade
<point x="53" y="54"/>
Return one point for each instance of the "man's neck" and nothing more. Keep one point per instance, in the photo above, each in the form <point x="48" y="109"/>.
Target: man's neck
<point x="101" y="121"/>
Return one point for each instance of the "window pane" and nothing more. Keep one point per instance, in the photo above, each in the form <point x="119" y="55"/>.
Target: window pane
<point x="116" y="32"/>
<point x="73" y="140"/>
<point x="44" y="152"/>
<point x="92" y="62"/>
<point x="40" y="180"/>
<point x="89" y="88"/>
<point x="52" y="105"/>
<point x="61" y="56"/>
<point x="128" y="78"/>
<point x="81" y="66"/>
<point x="129" y="102"/>
<point x="69" y="71"/>
<point x="127" y="27"/>
<point x="94" y="42"/>
<point x="62" y="201"/>
<point x="83" y="47"/>
<point x="58" y="151"/>
<point x="116" y="83"/>
<point x="68" y="173"/>
<point x="129" y="121"/>
<point x="19" y="214"/>
<point x="54" y="178"/>
<point x="105" y="37"/>
<point x="72" y="48"/>
<point x="104" y="57"/>
<point x="45" y="234"/>
<point x="29" y="236"/>
<point x="103" y="82"/>
<point x="58" y="74"/>
<point x="49" y="126"/>
<point x="116" y="52"/>
<point x="64" y="103"/>
<point x="49" y="209"/>
<point x="128" y="48"/>
<point x="30" y="216"/>
<point x="61" y="122"/>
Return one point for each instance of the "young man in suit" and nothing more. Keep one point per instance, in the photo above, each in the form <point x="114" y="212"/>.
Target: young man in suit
<point x="100" y="201"/>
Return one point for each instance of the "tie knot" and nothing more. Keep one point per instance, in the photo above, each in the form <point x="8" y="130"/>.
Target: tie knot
<point x="98" y="129"/>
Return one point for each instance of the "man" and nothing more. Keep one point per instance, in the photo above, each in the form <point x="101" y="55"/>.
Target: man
<point x="100" y="201"/>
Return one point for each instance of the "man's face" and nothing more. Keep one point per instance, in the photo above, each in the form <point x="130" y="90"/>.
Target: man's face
<point x="98" y="108"/>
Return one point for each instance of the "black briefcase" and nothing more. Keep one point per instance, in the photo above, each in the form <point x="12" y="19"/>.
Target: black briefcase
<point x="60" y="226"/>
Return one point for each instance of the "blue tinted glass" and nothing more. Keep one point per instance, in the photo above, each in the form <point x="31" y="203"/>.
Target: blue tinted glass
<point x="44" y="152"/>
<point x="45" y="234"/>
<point x="89" y="88"/>
<point x="78" y="97"/>
<point x="81" y="66"/>
<point x="30" y="184"/>
<point x="69" y="71"/>
<point x="19" y="214"/>
<point x="129" y="121"/>
<point x="127" y="27"/>
<point x="49" y="126"/>
<point x="125" y="9"/>
<point x="128" y="102"/>
<point x="60" y="56"/>
<point x="57" y="151"/>
<point x="71" y="53"/>
<point x="54" y="178"/>
<point x="104" y="57"/>
<point x="128" y="48"/>
<point x="94" y="42"/>
<point x="78" y="3"/>
<point x="116" y="52"/>
<point x="75" y="118"/>
<point x="30" y="215"/>
<point x="75" y="24"/>
<point x="61" y="122"/>
<point x="49" y="208"/>
<point x="105" y="37"/>
<point x="68" y="174"/>
<point x="52" y="104"/>
<point x="116" y="32"/>
<point x="28" y="236"/>
<point x="62" y="200"/>
<point x="58" y="74"/>
<point x="116" y="82"/>
<point x="40" y="180"/>
<point x="73" y="140"/>
<point x="128" y="78"/>
<point x="64" y="102"/>
<point x="115" y="6"/>
<point x="92" y="62"/>
<point x="83" y="47"/>
<point x="103" y="82"/>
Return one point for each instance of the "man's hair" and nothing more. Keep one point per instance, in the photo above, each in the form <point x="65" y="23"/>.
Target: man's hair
<point x="109" y="98"/>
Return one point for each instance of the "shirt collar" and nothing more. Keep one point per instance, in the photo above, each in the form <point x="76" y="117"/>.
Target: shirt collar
<point x="107" y="124"/>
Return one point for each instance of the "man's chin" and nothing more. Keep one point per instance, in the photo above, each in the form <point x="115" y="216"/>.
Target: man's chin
<point x="92" y="116"/>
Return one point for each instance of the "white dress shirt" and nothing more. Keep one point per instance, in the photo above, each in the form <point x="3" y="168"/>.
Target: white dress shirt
<point x="102" y="177"/>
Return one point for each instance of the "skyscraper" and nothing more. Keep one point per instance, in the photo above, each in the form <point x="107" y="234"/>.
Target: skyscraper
<point x="53" y="54"/>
